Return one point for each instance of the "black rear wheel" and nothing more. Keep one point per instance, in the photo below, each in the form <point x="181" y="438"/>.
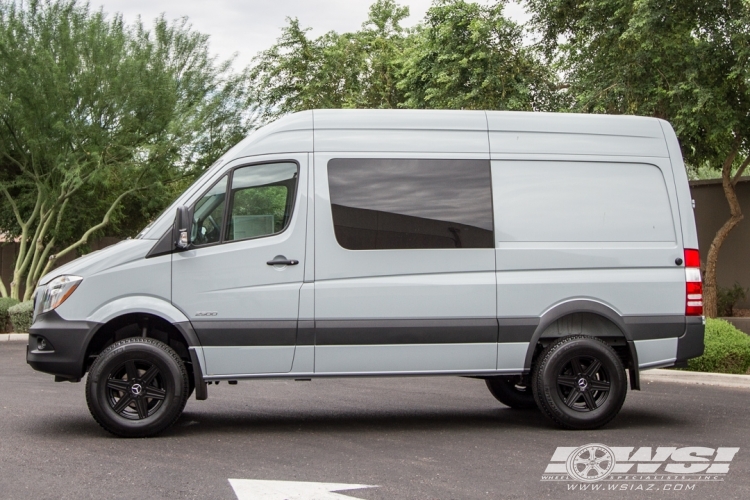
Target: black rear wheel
<point x="579" y="382"/>
<point x="137" y="387"/>
<point x="512" y="391"/>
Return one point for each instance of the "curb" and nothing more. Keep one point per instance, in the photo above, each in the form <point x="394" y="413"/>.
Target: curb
<point x="697" y="378"/>
<point x="14" y="337"/>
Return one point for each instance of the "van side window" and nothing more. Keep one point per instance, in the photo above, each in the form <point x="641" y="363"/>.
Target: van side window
<point x="208" y="215"/>
<point x="381" y="204"/>
<point x="582" y="202"/>
<point x="262" y="199"/>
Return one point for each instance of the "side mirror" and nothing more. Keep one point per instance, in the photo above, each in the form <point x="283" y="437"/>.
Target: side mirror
<point x="182" y="223"/>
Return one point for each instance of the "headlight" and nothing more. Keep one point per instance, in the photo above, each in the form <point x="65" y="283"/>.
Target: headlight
<point x="58" y="290"/>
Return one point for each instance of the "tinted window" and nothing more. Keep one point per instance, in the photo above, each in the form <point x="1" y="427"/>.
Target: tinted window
<point x="401" y="204"/>
<point x="262" y="200"/>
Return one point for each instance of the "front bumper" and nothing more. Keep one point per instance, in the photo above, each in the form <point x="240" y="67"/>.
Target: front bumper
<point x="66" y="341"/>
<point x="690" y="345"/>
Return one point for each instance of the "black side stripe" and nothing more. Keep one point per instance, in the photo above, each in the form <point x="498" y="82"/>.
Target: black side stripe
<point x="246" y="333"/>
<point x="517" y="329"/>
<point x="654" y="327"/>
<point x="405" y="331"/>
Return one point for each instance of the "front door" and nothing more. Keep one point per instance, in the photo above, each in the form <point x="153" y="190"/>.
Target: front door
<point x="239" y="282"/>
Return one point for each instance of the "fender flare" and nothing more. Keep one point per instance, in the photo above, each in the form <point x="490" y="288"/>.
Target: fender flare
<point x="144" y="304"/>
<point x="570" y="307"/>
<point x="138" y="304"/>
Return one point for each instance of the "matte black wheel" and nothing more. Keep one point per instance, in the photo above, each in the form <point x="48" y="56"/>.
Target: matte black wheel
<point x="137" y="387"/>
<point x="579" y="382"/>
<point x="512" y="391"/>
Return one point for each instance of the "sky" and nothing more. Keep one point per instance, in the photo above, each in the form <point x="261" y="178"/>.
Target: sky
<point x="246" y="27"/>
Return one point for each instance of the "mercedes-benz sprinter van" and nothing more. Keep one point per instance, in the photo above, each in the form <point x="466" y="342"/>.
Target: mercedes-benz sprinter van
<point x="552" y="255"/>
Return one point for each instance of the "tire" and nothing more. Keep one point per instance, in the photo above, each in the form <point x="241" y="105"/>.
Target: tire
<point x="514" y="392"/>
<point x="579" y="382"/>
<point x="123" y="377"/>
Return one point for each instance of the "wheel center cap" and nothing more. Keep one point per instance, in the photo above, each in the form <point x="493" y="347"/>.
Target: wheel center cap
<point x="582" y="384"/>
<point x="136" y="389"/>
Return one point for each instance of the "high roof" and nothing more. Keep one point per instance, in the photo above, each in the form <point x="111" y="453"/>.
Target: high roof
<point x="443" y="131"/>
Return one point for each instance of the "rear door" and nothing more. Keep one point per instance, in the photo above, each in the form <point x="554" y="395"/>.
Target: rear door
<point x="242" y="305"/>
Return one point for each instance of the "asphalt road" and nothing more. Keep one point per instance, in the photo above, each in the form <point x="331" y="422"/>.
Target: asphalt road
<point x="415" y="438"/>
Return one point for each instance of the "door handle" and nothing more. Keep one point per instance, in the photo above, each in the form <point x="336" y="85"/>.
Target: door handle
<point x="280" y="260"/>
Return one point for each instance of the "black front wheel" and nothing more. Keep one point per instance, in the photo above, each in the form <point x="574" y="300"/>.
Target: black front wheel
<point x="137" y="387"/>
<point x="579" y="382"/>
<point x="512" y="391"/>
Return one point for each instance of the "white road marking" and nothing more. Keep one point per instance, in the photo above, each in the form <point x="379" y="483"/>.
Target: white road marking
<point x="251" y="489"/>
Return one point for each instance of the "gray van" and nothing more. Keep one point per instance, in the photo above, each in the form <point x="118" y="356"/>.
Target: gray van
<point x="546" y="254"/>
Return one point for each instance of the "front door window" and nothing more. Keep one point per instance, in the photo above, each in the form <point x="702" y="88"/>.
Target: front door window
<point x="262" y="200"/>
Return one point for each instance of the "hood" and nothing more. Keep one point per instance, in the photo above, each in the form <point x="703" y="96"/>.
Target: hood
<point x="101" y="260"/>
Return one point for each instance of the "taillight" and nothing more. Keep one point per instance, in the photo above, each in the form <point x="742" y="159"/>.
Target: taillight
<point x="693" y="284"/>
<point x="692" y="258"/>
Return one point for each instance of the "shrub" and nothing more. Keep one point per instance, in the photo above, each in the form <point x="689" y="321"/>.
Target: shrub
<point x="5" y="304"/>
<point x="727" y="298"/>
<point x="21" y="316"/>
<point x="727" y="349"/>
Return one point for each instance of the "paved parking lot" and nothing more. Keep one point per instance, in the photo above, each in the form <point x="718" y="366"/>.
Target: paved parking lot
<point x="415" y="438"/>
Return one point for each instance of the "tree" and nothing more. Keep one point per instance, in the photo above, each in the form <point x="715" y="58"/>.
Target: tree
<point x="349" y="70"/>
<point x="99" y="122"/>
<point x="468" y="56"/>
<point x="463" y="55"/>
<point x="686" y="62"/>
<point x="381" y="42"/>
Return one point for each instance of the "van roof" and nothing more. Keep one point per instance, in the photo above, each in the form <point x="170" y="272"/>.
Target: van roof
<point x="498" y="133"/>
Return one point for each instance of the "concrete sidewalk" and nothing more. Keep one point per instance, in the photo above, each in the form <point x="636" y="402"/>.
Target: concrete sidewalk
<point x="14" y="337"/>
<point x="696" y="378"/>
